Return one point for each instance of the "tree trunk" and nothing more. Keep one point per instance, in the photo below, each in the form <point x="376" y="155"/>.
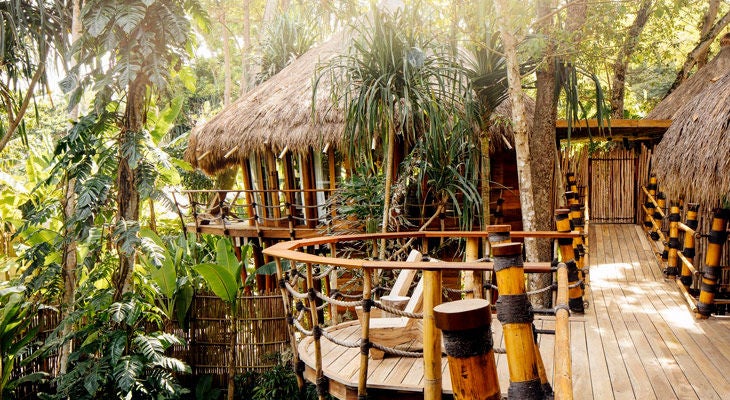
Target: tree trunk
<point x="709" y="18"/>
<point x="542" y="151"/>
<point x="702" y="46"/>
<point x="624" y="56"/>
<point x="389" y="169"/>
<point x="70" y="260"/>
<point x="484" y="179"/>
<point x="245" y="79"/>
<point x="519" y="125"/>
<point x="127" y="191"/>
<point x="227" y="79"/>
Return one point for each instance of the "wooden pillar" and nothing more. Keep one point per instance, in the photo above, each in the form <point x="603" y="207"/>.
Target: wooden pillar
<point x="578" y="223"/>
<point x="473" y="280"/>
<point x="431" y="336"/>
<point x="320" y="380"/>
<point x="273" y="177"/>
<point x="712" y="270"/>
<point x="515" y="314"/>
<point x="651" y="188"/>
<point x="689" y="243"/>
<point x="567" y="253"/>
<point x="365" y="333"/>
<point x="308" y="185"/>
<point x="296" y="361"/>
<point x="467" y="331"/>
<point x="499" y="210"/>
<point x="672" y="269"/>
<point x="248" y="187"/>
<point x="661" y="201"/>
<point x="562" y="374"/>
<point x="498" y="234"/>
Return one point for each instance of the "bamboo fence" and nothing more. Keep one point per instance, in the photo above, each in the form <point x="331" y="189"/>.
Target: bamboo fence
<point x="261" y="338"/>
<point x="611" y="180"/>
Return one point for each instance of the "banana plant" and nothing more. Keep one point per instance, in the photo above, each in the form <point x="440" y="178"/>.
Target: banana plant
<point x="224" y="279"/>
<point x="165" y="270"/>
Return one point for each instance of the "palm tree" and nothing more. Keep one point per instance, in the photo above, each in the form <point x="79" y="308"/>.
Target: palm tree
<point x="399" y="89"/>
<point x="29" y="31"/>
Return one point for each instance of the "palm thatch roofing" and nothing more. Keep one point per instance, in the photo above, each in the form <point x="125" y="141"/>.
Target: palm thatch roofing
<point x="693" y="158"/>
<point x="707" y="75"/>
<point x="277" y="114"/>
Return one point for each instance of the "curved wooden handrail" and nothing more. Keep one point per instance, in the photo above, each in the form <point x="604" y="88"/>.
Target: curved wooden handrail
<point x="289" y="250"/>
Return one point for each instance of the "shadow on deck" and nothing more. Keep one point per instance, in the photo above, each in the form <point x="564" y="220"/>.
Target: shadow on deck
<point x="636" y="340"/>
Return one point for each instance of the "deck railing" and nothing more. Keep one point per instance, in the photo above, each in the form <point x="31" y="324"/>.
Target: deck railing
<point x="306" y="300"/>
<point x="699" y="285"/>
<point x="260" y="209"/>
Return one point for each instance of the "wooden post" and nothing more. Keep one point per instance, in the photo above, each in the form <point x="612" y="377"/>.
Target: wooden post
<point x="562" y="374"/>
<point x="473" y="280"/>
<point x="497" y="234"/>
<point x="578" y="221"/>
<point x="431" y="336"/>
<point x="651" y="187"/>
<point x="467" y="330"/>
<point x="248" y="187"/>
<point x="321" y="381"/>
<point x="499" y="210"/>
<point x="362" y="382"/>
<point x="567" y="254"/>
<point x="711" y="272"/>
<point x="672" y="259"/>
<point x="689" y="244"/>
<point x="661" y="201"/>
<point x="515" y="314"/>
<point x="298" y="363"/>
<point x="273" y="186"/>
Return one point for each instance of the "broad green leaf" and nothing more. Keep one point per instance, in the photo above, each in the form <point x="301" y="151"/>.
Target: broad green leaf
<point x="166" y="119"/>
<point x="270" y="267"/>
<point x="220" y="280"/>
<point x="183" y="300"/>
<point x="226" y="258"/>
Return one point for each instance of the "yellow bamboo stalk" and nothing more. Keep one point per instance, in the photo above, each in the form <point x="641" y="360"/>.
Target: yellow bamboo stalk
<point x="431" y="336"/>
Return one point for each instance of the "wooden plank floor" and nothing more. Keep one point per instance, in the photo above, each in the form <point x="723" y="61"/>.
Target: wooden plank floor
<point x="636" y="340"/>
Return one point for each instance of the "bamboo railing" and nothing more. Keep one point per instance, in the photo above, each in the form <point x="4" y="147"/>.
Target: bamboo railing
<point x="297" y="286"/>
<point x="698" y="284"/>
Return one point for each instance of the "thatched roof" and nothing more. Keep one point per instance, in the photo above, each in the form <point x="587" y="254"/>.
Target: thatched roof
<point x="277" y="114"/>
<point x="695" y="84"/>
<point x="692" y="158"/>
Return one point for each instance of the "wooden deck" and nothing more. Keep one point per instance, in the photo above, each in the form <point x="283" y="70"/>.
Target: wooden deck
<point x="636" y="340"/>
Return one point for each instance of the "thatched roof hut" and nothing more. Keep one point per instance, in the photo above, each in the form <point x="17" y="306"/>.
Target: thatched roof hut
<point x="693" y="158"/>
<point x="276" y="114"/>
<point x="695" y="84"/>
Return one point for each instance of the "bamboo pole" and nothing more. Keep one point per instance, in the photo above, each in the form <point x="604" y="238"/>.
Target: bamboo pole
<point x="514" y="312"/>
<point x="431" y="336"/>
<point x="498" y="234"/>
<point x="365" y="333"/>
<point x="321" y="381"/>
<point x="473" y="280"/>
<point x="711" y="272"/>
<point x="298" y="363"/>
<point x="688" y="253"/>
<point x="562" y="373"/>
<point x="650" y="203"/>
<point x="672" y="269"/>
<point x="567" y="254"/>
<point x="466" y="327"/>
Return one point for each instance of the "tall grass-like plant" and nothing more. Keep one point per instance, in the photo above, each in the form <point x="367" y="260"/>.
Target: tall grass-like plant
<point x="396" y="81"/>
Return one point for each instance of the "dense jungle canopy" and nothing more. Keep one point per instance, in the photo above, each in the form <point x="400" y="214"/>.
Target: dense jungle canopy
<point x="98" y="99"/>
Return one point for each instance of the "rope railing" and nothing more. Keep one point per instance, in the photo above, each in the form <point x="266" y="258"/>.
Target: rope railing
<point x="365" y="298"/>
